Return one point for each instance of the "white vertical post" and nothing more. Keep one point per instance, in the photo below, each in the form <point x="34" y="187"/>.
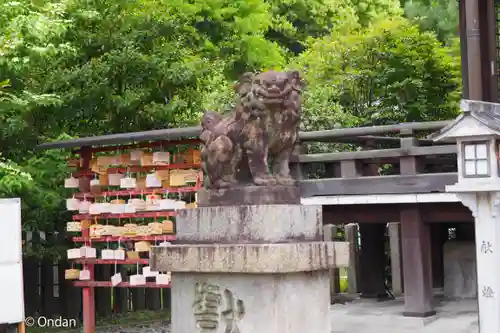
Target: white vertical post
<point x="485" y="207"/>
<point x="488" y="264"/>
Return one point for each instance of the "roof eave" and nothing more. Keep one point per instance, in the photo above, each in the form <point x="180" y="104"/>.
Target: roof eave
<point x="124" y="138"/>
<point x="441" y="134"/>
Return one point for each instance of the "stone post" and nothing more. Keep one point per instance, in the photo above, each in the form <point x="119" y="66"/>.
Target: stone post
<point x="250" y="268"/>
<point x="396" y="262"/>
<point x="329" y="234"/>
<point x="485" y="208"/>
<point x="351" y="236"/>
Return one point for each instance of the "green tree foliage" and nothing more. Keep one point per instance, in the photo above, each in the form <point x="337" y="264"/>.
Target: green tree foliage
<point x="31" y="37"/>
<point x="159" y="60"/>
<point x="372" y="10"/>
<point x="296" y="21"/>
<point x="388" y="73"/>
<point x="80" y="68"/>
<point x="440" y="16"/>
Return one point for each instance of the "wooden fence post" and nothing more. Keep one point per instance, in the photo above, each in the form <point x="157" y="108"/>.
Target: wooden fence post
<point x="396" y="258"/>
<point x="329" y="234"/>
<point x="30" y="273"/>
<point x="153" y="298"/>
<point x="121" y="295"/>
<point x="351" y="236"/>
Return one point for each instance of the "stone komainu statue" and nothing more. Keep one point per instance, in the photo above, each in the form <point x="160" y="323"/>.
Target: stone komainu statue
<point x="263" y="125"/>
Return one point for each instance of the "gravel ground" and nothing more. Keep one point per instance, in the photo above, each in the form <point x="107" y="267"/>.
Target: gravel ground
<point x="362" y="316"/>
<point x="158" y="327"/>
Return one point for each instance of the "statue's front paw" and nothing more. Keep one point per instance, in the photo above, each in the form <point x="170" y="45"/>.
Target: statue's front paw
<point x="221" y="184"/>
<point x="285" y="181"/>
<point x="264" y="181"/>
<point x="230" y="179"/>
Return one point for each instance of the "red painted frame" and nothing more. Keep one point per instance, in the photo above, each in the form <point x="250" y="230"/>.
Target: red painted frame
<point x="95" y="261"/>
<point x="135" y="169"/>
<point x="88" y="297"/>
<point x="166" y="213"/>
<point x="159" y="238"/>
<point x="93" y="284"/>
<point x="89" y="195"/>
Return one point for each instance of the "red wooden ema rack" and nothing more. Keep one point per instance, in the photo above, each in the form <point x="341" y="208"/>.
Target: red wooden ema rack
<point x="163" y="213"/>
<point x="84" y="172"/>
<point x="158" y="238"/>
<point x="107" y="284"/>
<point x="124" y="193"/>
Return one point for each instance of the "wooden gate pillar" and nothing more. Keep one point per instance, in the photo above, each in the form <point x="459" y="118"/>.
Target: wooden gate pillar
<point x="417" y="267"/>
<point x="470" y="43"/>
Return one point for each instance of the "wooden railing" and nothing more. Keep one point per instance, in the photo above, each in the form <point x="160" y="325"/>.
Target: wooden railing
<point x="410" y="163"/>
<point x="415" y="165"/>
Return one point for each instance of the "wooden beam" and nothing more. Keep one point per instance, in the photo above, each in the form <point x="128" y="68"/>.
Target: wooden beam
<point x="189" y="132"/>
<point x="379" y="153"/>
<point x="352" y="155"/>
<point x="363" y="139"/>
<point x="445" y="212"/>
<point x="343" y="214"/>
<point x="124" y="138"/>
<point x="422" y="183"/>
<point x="437" y="212"/>
<point x="372" y="130"/>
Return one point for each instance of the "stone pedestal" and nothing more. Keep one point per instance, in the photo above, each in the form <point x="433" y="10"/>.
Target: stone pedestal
<point x="249" y="195"/>
<point x="260" y="268"/>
